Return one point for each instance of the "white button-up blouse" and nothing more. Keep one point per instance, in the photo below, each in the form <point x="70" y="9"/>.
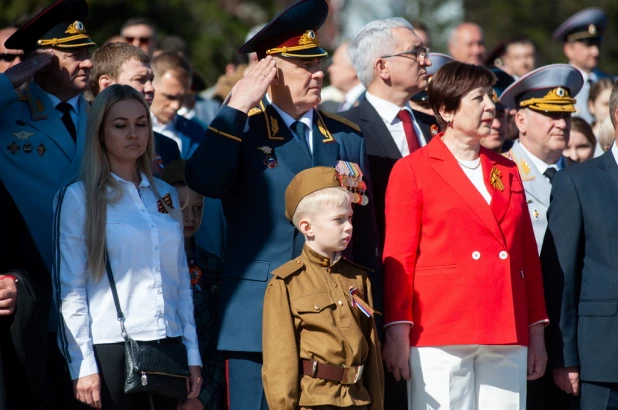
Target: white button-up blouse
<point x="147" y="257"/>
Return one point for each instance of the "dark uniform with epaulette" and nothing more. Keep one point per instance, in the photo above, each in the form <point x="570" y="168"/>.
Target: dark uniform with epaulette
<point x="39" y="156"/>
<point x="247" y="162"/>
<point x="320" y="344"/>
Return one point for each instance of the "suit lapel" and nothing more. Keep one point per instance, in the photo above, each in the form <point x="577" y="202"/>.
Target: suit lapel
<point x="535" y="183"/>
<point x="610" y="168"/>
<point x="500" y="200"/>
<point x="325" y="147"/>
<point x="288" y="149"/>
<point x="376" y="132"/>
<point x="447" y="167"/>
<point x="82" y="125"/>
<point x="46" y="119"/>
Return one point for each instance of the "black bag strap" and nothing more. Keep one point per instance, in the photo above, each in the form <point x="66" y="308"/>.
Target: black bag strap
<point x="112" y="285"/>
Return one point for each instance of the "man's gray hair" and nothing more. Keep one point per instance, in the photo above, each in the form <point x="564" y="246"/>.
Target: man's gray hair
<point x="374" y="40"/>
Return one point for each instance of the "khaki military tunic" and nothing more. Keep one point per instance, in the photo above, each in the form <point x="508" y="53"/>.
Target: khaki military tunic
<point x="308" y="315"/>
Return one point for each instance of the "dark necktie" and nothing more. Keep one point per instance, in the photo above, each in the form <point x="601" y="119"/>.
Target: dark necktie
<point x="298" y="128"/>
<point x="408" y="127"/>
<point x="549" y="173"/>
<point x="65" y="109"/>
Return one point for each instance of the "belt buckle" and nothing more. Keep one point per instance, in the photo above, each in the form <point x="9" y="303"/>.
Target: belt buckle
<point x="315" y="368"/>
<point x="353" y="374"/>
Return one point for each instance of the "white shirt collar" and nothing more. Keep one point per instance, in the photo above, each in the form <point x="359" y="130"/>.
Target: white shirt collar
<point x="353" y="94"/>
<point x="615" y="151"/>
<point x="386" y="109"/>
<point x="143" y="183"/>
<point x="539" y="164"/>
<point x="306" y="119"/>
<point x="74" y="102"/>
<point x="158" y="127"/>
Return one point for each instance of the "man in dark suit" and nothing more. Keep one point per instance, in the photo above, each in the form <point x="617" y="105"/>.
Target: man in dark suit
<point x="580" y="274"/>
<point x="392" y="75"/>
<point x="249" y="157"/>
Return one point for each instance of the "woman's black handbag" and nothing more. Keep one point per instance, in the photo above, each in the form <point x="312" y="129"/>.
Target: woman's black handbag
<point x="160" y="368"/>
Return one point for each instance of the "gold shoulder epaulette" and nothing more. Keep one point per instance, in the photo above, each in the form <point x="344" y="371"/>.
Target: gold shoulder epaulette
<point x="288" y="268"/>
<point x="366" y="269"/>
<point x="341" y="120"/>
<point x="253" y="111"/>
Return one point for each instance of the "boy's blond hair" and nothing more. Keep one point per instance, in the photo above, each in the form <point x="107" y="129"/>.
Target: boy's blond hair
<point x="315" y="202"/>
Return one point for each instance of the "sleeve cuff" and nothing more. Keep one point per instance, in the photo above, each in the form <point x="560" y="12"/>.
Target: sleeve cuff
<point x="398" y="322"/>
<point x="546" y="321"/>
<point x="83" y="368"/>
<point x="194" y="358"/>
<point x="229" y="123"/>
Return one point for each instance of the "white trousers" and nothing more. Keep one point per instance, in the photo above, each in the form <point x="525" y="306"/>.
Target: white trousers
<point x="468" y="377"/>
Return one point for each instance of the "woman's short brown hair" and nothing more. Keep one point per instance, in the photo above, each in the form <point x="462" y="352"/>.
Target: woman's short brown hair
<point x="451" y="82"/>
<point x="581" y="126"/>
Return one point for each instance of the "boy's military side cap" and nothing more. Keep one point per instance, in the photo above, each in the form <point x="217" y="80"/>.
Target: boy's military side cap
<point x="346" y="175"/>
<point x="503" y="81"/>
<point x="292" y="33"/>
<point x="546" y="89"/>
<point x="437" y="61"/>
<point x="59" y="25"/>
<point x="585" y="25"/>
<point x="174" y="172"/>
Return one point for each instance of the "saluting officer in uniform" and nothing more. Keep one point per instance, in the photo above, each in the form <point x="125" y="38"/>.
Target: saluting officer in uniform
<point x="269" y="132"/>
<point x="582" y="34"/>
<point x="544" y="103"/>
<point x="42" y="135"/>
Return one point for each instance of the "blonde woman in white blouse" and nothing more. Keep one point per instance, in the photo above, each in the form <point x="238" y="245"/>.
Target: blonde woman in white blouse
<point x="117" y="207"/>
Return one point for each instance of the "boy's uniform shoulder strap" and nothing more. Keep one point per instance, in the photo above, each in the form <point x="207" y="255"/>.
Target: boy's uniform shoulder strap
<point x="289" y="268"/>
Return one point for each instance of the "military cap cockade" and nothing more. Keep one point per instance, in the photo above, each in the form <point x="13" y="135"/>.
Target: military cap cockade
<point x="547" y="89"/>
<point x="292" y="33"/>
<point x="60" y="25"/>
<point x="587" y="25"/>
<point x="437" y="61"/>
<point x="346" y="175"/>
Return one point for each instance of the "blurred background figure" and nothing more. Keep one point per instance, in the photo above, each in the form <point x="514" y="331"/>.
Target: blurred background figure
<point x="8" y="58"/>
<point x="422" y="31"/>
<point x="497" y="139"/>
<point x="606" y="134"/>
<point x="140" y="32"/>
<point x="582" y="35"/>
<point x="117" y="38"/>
<point x="467" y="43"/>
<point x="598" y="102"/>
<point x="582" y="141"/>
<point x="343" y="77"/>
<point x="519" y="57"/>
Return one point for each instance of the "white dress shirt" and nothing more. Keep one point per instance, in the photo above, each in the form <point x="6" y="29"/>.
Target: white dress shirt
<point x="351" y="97"/>
<point x="146" y="252"/>
<point x="474" y="172"/>
<point x="306" y="119"/>
<point x="388" y="112"/>
<point x="169" y="130"/>
<point x="541" y="165"/>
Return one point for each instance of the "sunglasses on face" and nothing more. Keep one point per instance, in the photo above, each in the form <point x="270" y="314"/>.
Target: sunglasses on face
<point x="142" y="40"/>
<point x="8" y="58"/>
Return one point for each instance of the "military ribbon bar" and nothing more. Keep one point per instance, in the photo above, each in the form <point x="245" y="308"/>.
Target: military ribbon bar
<point x="358" y="302"/>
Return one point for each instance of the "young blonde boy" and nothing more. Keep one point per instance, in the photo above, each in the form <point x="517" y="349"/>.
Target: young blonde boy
<point x="319" y="341"/>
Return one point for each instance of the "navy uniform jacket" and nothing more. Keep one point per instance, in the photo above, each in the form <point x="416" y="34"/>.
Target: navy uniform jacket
<point x="248" y="162"/>
<point x="580" y="270"/>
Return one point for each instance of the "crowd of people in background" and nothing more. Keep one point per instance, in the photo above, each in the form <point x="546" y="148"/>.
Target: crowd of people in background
<point x="428" y="231"/>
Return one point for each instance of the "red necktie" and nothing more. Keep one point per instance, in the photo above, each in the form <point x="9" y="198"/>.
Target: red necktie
<point x="408" y="127"/>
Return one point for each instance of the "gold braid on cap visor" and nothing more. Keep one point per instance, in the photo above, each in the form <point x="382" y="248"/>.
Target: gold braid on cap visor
<point x="308" y="40"/>
<point x="556" y="100"/>
<point x="60" y="42"/>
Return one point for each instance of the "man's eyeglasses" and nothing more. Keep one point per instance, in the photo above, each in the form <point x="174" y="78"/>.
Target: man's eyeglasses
<point x="8" y="58"/>
<point x="142" y="40"/>
<point x="419" y="54"/>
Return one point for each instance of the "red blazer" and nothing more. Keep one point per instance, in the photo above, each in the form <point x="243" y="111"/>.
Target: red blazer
<point x="463" y="271"/>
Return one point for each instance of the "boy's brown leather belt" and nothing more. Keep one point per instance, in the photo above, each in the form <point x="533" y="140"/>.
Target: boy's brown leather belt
<point x="340" y="374"/>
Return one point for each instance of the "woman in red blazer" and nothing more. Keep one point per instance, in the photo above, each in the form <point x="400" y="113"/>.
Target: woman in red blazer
<point x="464" y="307"/>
